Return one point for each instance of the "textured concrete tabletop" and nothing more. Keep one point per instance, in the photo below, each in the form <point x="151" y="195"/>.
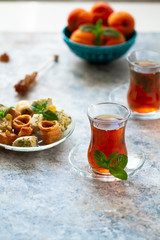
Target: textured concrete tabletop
<point x="41" y="197"/>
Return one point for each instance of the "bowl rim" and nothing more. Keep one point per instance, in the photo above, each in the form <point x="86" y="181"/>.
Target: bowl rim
<point x="97" y="47"/>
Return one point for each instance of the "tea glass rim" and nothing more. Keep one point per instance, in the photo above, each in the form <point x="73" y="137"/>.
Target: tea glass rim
<point x="143" y="50"/>
<point x="113" y="120"/>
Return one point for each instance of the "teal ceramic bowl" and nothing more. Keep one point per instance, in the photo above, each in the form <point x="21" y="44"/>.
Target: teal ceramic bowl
<point x="102" y="54"/>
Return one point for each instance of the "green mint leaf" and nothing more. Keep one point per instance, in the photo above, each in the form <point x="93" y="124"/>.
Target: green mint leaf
<point x="117" y="167"/>
<point x="111" y="32"/>
<point x="120" y="161"/>
<point x="37" y="108"/>
<point x="87" y="27"/>
<point x="2" y="114"/>
<point x="118" y="173"/>
<point x="97" y="39"/>
<point x="100" y="159"/>
<point x="95" y="29"/>
<point x="99" y="24"/>
<point x="112" y="157"/>
<point x="97" y="32"/>
<point x="43" y="106"/>
<point x="50" y="116"/>
<point x="5" y="112"/>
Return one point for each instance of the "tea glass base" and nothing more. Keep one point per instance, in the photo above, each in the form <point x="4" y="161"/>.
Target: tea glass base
<point x="79" y="162"/>
<point x="119" y="95"/>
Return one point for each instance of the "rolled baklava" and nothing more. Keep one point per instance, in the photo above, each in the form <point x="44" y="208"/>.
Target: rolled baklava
<point x="21" y="121"/>
<point x="50" y="131"/>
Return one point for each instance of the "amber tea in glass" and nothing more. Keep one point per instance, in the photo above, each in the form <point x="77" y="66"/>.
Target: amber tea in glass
<point x="108" y="122"/>
<point x="144" y="89"/>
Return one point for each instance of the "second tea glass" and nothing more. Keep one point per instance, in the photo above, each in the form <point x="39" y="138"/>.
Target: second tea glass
<point x="144" y="89"/>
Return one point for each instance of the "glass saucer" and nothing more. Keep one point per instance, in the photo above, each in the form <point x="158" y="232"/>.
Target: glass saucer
<point x="79" y="162"/>
<point x="119" y="95"/>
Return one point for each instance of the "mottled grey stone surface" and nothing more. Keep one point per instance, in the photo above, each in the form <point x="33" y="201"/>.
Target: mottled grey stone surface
<point x="40" y="196"/>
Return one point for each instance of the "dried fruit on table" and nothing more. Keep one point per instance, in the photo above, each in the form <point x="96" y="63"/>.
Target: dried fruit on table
<point x="23" y="85"/>
<point x="4" y="57"/>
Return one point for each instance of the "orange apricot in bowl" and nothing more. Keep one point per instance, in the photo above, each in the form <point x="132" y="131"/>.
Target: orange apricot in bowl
<point x="83" y="37"/>
<point x="122" y="21"/>
<point x="78" y="17"/>
<point x="110" y="41"/>
<point x="97" y="35"/>
<point x="101" y="10"/>
<point x="88" y="38"/>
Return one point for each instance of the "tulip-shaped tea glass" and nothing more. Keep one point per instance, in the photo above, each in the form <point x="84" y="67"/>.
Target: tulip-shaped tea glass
<point x="144" y="88"/>
<point x="143" y="93"/>
<point x="108" y="122"/>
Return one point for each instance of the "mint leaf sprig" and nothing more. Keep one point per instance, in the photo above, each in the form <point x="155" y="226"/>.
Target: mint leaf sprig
<point x="40" y="109"/>
<point x="98" y="31"/>
<point x="3" y="113"/>
<point x="115" y="163"/>
<point x="37" y="108"/>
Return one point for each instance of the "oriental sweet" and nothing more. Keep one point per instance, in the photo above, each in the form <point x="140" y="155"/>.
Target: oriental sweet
<point x="31" y="141"/>
<point x="32" y="123"/>
<point x="50" y="131"/>
<point x="7" y="137"/>
<point x="24" y="107"/>
<point x="21" y="121"/>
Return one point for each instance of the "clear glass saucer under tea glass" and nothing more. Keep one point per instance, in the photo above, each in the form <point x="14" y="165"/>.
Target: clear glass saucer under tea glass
<point x="79" y="162"/>
<point x="142" y="94"/>
<point x="108" y="122"/>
